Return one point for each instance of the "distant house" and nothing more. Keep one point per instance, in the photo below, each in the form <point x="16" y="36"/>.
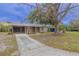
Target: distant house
<point x="28" y="28"/>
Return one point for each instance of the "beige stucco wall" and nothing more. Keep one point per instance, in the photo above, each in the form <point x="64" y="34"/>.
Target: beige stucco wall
<point x="43" y="29"/>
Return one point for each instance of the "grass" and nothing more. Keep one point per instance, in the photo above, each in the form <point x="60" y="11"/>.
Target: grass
<point x="68" y="41"/>
<point x="9" y="41"/>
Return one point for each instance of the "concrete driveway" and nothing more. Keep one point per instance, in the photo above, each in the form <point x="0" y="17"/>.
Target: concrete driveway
<point x="30" y="47"/>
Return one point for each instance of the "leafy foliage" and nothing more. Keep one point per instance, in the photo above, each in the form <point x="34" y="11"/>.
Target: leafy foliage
<point x="4" y="27"/>
<point x="50" y="13"/>
<point x="74" y="25"/>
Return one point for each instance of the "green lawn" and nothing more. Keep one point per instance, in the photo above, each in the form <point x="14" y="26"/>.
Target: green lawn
<point x="8" y="45"/>
<point x="68" y="41"/>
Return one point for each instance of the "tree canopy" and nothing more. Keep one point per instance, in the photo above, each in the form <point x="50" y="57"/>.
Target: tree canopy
<point x="74" y="25"/>
<point x="52" y="13"/>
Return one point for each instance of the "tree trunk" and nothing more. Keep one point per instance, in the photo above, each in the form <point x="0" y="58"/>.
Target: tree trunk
<point x="56" y="28"/>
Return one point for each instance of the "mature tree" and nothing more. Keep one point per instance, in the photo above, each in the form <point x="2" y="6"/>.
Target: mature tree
<point x="38" y="16"/>
<point x="74" y="25"/>
<point x="51" y="13"/>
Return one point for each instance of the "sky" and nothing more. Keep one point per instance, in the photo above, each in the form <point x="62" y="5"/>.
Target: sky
<point x="18" y="12"/>
<point x="14" y="12"/>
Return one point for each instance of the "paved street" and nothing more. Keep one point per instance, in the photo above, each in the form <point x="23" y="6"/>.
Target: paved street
<point x="30" y="47"/>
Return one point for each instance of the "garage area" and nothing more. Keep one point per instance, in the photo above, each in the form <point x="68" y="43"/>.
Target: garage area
<point x="18" y="29"/>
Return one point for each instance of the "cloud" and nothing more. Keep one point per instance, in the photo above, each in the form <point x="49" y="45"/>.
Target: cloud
<point x="6" y="19"/>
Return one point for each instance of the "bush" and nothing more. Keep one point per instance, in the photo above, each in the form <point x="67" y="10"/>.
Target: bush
<point x="4" y="27"/>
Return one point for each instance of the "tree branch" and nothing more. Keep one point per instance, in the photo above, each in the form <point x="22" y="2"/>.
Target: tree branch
<point x="65" y="12"/>
<point x="69" y="9"/>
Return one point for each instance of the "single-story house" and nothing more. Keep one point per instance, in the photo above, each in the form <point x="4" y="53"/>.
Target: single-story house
<point x="28" y="28"/>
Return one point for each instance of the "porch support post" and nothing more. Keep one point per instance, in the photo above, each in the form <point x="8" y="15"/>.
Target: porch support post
<point x="25" y="29"/>
<point x="20" y="29"/>
<point x="28" y="30"/>
<point x="35" y="30"/>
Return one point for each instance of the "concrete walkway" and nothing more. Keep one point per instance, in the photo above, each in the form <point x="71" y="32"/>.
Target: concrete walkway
<point x="31" y="47"/>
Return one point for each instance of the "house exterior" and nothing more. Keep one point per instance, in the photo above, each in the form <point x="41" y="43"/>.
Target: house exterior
<point x="28" y="28"/>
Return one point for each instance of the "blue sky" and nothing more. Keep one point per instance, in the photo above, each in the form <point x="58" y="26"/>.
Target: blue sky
<point x="18" y="12"/>
<point x="14" y="12"/>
